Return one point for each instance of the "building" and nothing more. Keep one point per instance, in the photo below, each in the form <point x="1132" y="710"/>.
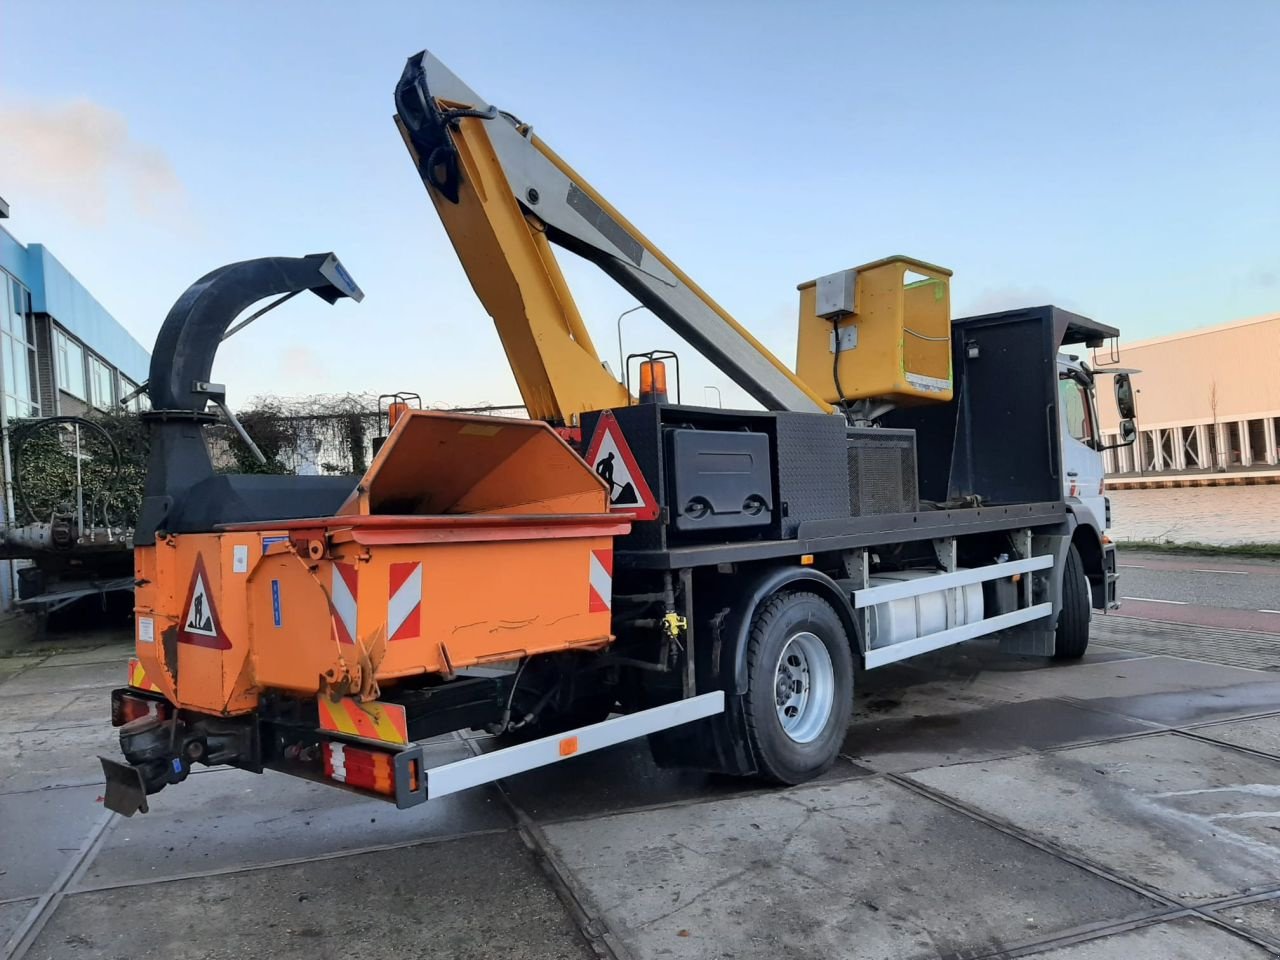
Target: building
<point x="1208" y="400"/>
<point x="61" y="352"/>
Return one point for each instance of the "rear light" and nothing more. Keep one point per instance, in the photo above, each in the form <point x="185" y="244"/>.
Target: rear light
<point x="374" y="770"/>
<point x="127" y="707"/>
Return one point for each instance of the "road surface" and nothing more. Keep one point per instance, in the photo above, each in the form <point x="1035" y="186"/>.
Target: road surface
<point x="1208" y="591"/>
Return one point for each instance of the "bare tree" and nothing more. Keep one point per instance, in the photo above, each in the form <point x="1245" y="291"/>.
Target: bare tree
<point x="1220" y="455"/>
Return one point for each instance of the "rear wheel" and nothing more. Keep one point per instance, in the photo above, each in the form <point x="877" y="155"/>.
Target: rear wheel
<point x="799" y="687"/>
<point x="1072" y="639"/>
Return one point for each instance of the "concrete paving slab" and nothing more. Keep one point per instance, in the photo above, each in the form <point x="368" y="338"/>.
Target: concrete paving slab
<point x="625" y="777"/>
<point x="107" y="653"/>
<point x="478" y="897"/>
<point x="1192" y="819"/>
<point x="919" y="695"/>
<point x="897" y="744"/>
<point x="1261" y="917"/>
<point x="9" y="666"/>
<point x="1262" y="735"/>
<point x="32" y="711"/>
<point x="859" y="868"/>
<point x="982" y="656"/>
<point x="90" y="707"/>
<point x="234" y="819"/>
<point x="80" y="676"/>
<point x="1185" y="707"/>
<point x="60" y="757"/>
<point x="1129" y="678"/>
<point x="11" y="916"/>
<point x="1186" y="938"/>
<point x="41" y="832"/>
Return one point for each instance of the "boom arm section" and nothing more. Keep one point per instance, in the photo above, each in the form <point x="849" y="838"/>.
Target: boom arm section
<point x="504" y="198"/>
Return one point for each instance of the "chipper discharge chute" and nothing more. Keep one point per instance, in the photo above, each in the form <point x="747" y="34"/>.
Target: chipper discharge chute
<point x="320" y="625"/>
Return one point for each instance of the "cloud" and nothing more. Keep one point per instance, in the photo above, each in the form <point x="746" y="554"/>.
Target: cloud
<point x="1263" y="278"/>
<point x="81" y="156"/>
<point x="301" y="367"/>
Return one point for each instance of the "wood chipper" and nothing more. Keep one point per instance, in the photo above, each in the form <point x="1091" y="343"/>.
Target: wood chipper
<point x="262" y="642"/>
<point x="619" y="566"/>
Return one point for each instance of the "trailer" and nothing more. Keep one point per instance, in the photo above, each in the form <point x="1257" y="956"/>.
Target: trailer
<point x="618" y="566"/>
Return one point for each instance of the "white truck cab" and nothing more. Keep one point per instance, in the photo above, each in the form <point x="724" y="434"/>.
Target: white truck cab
<point x="1083" y="480"/>
<point x="1084" y="471"/>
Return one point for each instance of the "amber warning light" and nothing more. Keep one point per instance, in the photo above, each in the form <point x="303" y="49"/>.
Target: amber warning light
<point x="653" y="381"/>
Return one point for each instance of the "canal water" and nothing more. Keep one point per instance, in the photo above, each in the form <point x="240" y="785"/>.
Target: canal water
<point x="1219" y="515"/>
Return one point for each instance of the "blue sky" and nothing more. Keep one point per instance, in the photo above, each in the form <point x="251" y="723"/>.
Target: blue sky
<point x="1115" y="158"/>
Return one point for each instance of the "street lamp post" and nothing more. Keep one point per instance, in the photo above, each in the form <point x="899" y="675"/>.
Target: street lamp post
<point x="622" y="361"/>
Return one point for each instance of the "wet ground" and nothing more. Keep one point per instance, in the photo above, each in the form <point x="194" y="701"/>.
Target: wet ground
<point x="984" y="806"/>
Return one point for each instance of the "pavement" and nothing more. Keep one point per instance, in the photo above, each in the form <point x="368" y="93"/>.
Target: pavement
<point x="983" y="806"/>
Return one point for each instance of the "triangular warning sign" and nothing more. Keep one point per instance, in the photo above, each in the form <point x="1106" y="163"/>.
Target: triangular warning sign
<point x="614" y="463"/>
<point x="200" y="624"/>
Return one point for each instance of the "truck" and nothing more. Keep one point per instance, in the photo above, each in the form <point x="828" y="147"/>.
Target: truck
<point x="621" y="564"/>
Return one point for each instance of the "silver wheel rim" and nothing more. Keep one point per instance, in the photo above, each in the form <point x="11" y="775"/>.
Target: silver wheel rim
<point x="804" y="684"/>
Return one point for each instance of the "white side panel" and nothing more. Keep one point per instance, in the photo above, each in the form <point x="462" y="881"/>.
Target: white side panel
<point x="903" y="619"/>
<point x="942" y="581"/>
<point x="936" y="641"/>
<point x="463" y="774"/>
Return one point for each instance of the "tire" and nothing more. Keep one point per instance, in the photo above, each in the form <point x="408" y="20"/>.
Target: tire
<point x="797" y="738"/>
<point x="1072" y="638"/>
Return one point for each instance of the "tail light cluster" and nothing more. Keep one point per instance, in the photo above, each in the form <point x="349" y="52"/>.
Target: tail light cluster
<point x="127" y="706"/>
<point x="373" y="770"/>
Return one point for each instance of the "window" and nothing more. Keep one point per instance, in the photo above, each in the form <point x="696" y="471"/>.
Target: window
<point x="17" y="354"/>
<point x="138" y="403"/>
<point x="70" y="358"/>
<point x="101" y="384"/>
<point x="1075" y="409"/>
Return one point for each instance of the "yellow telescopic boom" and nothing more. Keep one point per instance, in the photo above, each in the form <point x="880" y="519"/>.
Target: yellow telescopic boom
<point x="505" y="198"/>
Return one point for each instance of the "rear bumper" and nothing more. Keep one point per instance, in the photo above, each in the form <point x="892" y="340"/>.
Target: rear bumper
<point x="485" y="768"/>
<point x="159" y="751"/>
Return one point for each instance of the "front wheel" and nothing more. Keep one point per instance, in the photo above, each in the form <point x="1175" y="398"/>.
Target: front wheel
<point x="799" y="687"/>
<point x="1072" y="638"/>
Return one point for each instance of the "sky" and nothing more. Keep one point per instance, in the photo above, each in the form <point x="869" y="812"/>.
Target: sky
<point x="1118" y="159"/>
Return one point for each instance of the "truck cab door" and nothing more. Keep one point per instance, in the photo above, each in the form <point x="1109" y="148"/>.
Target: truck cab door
<point x="1082" y="461"/>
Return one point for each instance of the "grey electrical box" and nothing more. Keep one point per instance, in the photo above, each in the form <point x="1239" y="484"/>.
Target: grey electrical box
<point x="835" y="294"/>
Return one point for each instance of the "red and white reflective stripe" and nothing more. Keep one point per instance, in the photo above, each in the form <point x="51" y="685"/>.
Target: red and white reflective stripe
<point x="404" y="602"/>
<point x="600" y="592"/>
<point x="343" y="593"/>
<point x="335" y="758"/>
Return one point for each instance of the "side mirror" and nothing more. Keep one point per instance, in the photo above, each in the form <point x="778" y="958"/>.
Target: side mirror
<point x="1124" y="398"/>
<point x="1128" y="434"/>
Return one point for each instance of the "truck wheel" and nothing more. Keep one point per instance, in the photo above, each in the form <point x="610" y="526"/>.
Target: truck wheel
<point x="1073" y="620"/>
<point x="799" y="687"/>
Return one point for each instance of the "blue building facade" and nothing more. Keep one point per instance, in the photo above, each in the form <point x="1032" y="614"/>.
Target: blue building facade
<point x="61" y="352"/>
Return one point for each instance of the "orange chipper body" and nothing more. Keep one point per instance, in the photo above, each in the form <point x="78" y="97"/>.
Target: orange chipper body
<point x="469" y="540"/>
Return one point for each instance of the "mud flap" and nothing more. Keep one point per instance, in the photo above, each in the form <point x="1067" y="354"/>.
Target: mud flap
<point x="126" y="793"/>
